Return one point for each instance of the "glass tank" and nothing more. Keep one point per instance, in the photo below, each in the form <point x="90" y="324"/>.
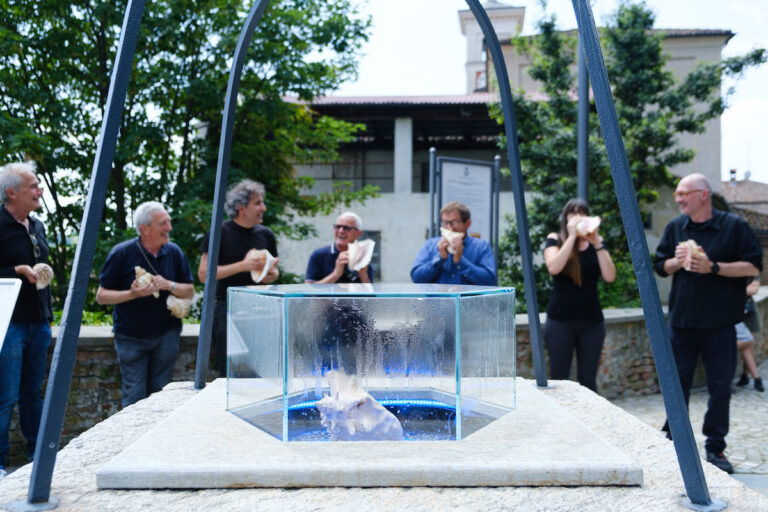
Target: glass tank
<point x="369" y="362"/>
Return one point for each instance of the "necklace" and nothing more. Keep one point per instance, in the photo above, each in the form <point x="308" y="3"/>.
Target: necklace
<point x="141" y="250"/>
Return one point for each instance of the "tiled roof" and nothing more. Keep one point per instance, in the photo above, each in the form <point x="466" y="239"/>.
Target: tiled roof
<point x="745" y="192"/>
<point x="458" y="99"/>
<point x="694" y="32"/>
<point x="757" y="221"/>
<point x="668" y="32"/>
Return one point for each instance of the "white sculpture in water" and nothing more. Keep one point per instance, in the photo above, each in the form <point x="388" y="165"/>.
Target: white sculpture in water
<point x="351" y="414"/>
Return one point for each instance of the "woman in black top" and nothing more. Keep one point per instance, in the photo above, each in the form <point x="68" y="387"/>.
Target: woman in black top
<point x="574" y="315"/>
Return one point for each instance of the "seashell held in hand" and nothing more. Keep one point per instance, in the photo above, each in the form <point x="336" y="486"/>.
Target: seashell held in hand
<point x="692" y="249"/>
<point x="360" y="253"/>
<point x="264" y="263"/>
<point x="144" y="278"/>
<point x="178" y="307"/>
<point x="451" y="235"/>
<point x="44" y="275"/>
<point x="587" y="225"/>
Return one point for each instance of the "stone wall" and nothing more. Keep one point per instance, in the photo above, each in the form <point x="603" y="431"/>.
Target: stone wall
<point x="626" y="367"/>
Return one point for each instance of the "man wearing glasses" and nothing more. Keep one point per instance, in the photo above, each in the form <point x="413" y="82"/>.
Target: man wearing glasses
<point x="24" y="352"/>
<point x="329" y="264"/>
<point x="711" y="255"/>
<point x="455" y="257"/>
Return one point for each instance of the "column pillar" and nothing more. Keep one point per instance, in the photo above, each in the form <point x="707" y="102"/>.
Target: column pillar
<point x="403" y="155"/>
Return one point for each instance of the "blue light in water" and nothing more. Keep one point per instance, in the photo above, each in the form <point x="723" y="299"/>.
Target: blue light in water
<point x="392" y="402"/>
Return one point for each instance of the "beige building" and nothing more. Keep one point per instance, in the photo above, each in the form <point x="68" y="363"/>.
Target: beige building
<point x="393" y="151"/>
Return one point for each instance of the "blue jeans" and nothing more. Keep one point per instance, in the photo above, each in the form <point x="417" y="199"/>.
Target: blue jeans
<point x="22" y="370"/>
<point x="146" y="364"/>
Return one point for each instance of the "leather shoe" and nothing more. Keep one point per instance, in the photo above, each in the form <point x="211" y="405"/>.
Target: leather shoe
<point x="743" y="380"/>
<point x="759" y="384"/>
<point x="719" y="460"/>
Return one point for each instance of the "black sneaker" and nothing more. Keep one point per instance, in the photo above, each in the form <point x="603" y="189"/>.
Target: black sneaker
<point x="759" y="384"/>
<point x="719" y="460"/>
<point x="743" y="380"/>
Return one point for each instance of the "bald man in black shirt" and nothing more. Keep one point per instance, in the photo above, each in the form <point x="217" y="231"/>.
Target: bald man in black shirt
<point x="711" y="255"/>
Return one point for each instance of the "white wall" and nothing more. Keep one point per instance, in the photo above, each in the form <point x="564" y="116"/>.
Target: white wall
<point x="403" y="221"/>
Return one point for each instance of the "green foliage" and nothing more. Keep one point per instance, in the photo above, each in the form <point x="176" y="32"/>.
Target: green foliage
<point x="55" y="64"/>
<point x="653" y="109"/>
<point x="89" y="317"/>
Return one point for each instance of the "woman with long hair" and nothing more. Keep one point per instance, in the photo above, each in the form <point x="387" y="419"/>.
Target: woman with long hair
<point x="576" y="258"/>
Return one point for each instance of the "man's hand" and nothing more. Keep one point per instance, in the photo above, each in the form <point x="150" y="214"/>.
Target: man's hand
<point x="700" y="262"/>
<point x="26" y="271"/>
<point x="252" y="262"/>
<point x="272" y="274"/>
<point x="458" y="248"/>
<point x="142" y="291"/>
<point x="681" y="252"/>
<point x="442" y="246"/>
<point x="161" y="283"/>
<point x="341" y="262"/>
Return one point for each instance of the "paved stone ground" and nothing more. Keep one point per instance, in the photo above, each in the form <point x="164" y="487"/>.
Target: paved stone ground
<point x="747" y="446"/>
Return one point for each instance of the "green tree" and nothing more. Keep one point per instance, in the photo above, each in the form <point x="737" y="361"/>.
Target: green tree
<point x="55" y="64"/>
<point x="653" y="109"/>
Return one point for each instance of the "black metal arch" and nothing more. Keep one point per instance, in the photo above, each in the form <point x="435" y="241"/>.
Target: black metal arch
<point x="49" y="435"/>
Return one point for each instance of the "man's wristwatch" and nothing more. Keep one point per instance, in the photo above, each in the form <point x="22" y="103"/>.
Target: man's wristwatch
<point x="173" y="286"/>
<point x="715" y="268"/>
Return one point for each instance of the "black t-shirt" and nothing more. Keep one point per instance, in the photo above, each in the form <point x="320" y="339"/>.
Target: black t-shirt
<point x="236" y="241"/>
<point x="572" y="302"/>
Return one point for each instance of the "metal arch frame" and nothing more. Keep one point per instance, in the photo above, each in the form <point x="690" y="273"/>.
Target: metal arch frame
<point x="518" y="190"/>
<point x="666" y="368"/>
<point x="57" y="392"/>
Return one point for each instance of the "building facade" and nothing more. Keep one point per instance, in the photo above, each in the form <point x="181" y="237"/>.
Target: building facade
<point x="393" y="151"/>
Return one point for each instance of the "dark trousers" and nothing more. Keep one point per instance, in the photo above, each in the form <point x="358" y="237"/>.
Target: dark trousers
<point x="146" y="364"/>
<point x="718" y="353"/>
<point x="586" y="338"/>
<point x="22" y="369"/>
<point x="219" y="338"/>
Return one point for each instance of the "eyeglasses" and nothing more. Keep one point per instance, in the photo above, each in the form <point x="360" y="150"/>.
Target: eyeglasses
<point x="343" y="227"/>
<point x="679" y="194"/>
<point x="35" y="248"/>
<point x="451" y="223"/>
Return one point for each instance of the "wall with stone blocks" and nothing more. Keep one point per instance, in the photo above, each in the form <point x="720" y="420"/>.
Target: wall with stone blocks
<point x="626" y="368"/>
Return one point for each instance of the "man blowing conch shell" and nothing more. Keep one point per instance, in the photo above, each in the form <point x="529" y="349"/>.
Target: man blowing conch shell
<point x="331" y="264"/>
<point x="454" y="257"/>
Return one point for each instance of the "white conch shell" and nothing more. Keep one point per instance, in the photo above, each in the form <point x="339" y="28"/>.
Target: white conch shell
<point x="44" y="275"/>
<point x="450" y="236"/>
<point x="178" y="307"/>
<point x="360" y="252"/>
<point x="587" y="225"/>
<point x="266" y="261"/>
<point x="144" y="278"/>
<point x="693" y="249"/>
<point x="351" y="414"/>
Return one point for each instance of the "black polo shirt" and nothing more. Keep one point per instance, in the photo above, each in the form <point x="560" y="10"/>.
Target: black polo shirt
<point x="16" y="248"/>
<point x="706" y="301"/>
<point x="144" y="317"/>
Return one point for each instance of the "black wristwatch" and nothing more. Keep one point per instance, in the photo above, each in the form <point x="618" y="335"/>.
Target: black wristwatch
<point x="715" y="268"/>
